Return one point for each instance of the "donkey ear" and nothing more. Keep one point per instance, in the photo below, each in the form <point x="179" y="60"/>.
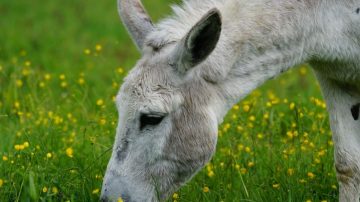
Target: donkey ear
<point x="136" y="20"/>
<point x="199" y="42"/>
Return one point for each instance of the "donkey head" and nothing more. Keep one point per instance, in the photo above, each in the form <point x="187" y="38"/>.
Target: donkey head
<point x="166" y="130"/>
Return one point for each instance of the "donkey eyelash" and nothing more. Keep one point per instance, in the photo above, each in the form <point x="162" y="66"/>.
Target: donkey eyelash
<point x="150" y="120"/>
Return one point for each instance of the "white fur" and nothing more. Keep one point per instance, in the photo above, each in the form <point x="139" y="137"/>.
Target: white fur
<point x="259" y="40"/>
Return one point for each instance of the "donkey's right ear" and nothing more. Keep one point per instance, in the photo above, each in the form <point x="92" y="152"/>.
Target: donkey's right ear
<point x="136" y="20"/>
<point x="199" y="42"/>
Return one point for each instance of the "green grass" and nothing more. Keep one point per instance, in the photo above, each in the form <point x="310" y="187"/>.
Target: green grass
<point x="46" y="111"/>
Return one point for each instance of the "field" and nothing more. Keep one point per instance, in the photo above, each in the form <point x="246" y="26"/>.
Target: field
<point x="61" y="64"/>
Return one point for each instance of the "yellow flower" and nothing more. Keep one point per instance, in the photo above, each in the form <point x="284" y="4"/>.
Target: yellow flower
<point x="48" y="155"/>
<point x="308" y="200"/>
<point x="303" y="71"/>
<point x="301" y="115"/>
<point x="252" y="118"/>
<point x="41" y="84"/>
<point x="5" y="158"/>
<point x="47" y="77"/>
<point x="115" y="86"/>
<point x="26" y="144"/>
<point x="45" y="189"/>
<point x="100" y="102"/>
<point x="290" y="171"/>
<point x="206" y="189"/>
<point x="70" y="152"/>
<point x="247" y="149"/>
<point x="302" y="181"/>
<point x="27" y="63"/>
<point x="81" y="81"/>
<point x="55" y="190"/>
<point x="239" y="128"/>
<point x="290" y="134"/>
<point x="19" y="147"/>
<point x="211" y="173"/>
<point x="98" y="47"/>
<point x="246" y="108"/>
<point x="227" y="127"/>
<point x="292" y="106"/>
<point x="251" y="164"/>
<point x="120" y="200"/>
<point x="19" y="83"/>
<point x="17" y="105"/>
<point x="333" y="186"/>
<point x="120" y="70"/>
<point x="95" y="191"/>
<point x="175" y="196"/>
<point x="25" y="72"/>
<point x="62" y="77"/>
<point x="63" y="84"/>
<point x="236" y="107"/>
<point x="1" y="182"/>
<point x="102" y="122"/>
<point x="276" y="186"/>
<point x="87" y="51"/>
<point x="310" y="175"/>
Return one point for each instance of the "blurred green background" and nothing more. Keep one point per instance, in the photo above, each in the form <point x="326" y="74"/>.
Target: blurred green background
<point x="61" y="64"/>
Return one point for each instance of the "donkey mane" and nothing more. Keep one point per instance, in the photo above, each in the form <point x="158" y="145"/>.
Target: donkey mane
<point x="183" y="17"/>
<point x="251" y="14"/>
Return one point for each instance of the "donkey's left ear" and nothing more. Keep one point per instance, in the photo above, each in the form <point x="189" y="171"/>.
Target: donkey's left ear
<point x="199" y="42"/>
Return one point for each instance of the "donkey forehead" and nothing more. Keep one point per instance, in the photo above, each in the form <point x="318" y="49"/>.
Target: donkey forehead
<point x="149" y="77"/>
<point x="153" y="86"/>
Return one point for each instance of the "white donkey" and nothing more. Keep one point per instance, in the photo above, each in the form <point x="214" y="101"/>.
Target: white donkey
<point x="210" y="54"/>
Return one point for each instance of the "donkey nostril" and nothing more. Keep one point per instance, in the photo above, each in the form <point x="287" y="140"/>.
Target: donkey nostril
<point x="125" y="198"/>
<point x="104" y="199"/>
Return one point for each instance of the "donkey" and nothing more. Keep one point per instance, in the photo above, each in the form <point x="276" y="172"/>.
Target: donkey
<point x="206" y="57"/>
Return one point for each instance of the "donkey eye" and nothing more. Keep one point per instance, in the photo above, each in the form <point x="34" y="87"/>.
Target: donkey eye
<point x="150" y="120"/>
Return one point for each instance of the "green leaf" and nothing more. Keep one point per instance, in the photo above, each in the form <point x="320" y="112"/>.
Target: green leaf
<point x="32" y="187"/>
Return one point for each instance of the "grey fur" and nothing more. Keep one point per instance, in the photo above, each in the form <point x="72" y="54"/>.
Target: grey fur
<point x="259" y="40"/>
<point x="136" y="19"/>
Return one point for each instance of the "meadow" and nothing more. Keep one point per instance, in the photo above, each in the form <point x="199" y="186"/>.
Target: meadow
<point x="62" y="63"/>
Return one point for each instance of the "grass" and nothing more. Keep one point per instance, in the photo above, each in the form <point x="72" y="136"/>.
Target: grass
<point x="61" y="63"/>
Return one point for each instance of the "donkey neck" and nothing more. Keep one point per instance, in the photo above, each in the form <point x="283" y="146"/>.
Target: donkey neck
<point x="294" y="32"/>
<point x="254" y="50"/>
